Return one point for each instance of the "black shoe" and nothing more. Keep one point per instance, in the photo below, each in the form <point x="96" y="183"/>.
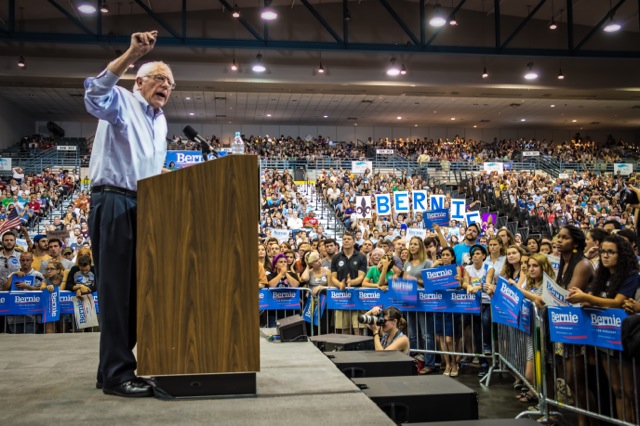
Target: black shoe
<point x="135" y="388"/>
<point x="99" y="385"/>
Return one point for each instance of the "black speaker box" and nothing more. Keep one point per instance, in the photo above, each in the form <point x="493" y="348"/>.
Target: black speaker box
<point x="421" y="398"/>
<point x="373" y="363"/>
<point x="343" y="342"/>
<point x="292" y="329"/>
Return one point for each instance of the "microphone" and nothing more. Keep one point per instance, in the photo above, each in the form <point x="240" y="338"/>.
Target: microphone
<point x="191" y="133"/>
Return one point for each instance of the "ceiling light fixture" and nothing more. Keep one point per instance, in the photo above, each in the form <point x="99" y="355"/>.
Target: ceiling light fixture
<point x="104" y="7"/>
<point x="403" y="70"/>
<point x="552" y="24"/>
<point x="21" y="62"/>
<point x="320" y="69"/>
<point x="258" y="66"/>
<point x="452" y="20"/>
<point x="236" y="11"/>
<point x="86" y="8"/>
<point x="393" y="70"/>
<point x="347" y="16"/>
<point x="267" y="13"/>
<point x="438" y="18"/>
<point x="560" y="75"/>
<point x="234" y="66"/>
<point x="531" y="74"/>
<point x="485" y="74"/>
<point x="612" y="26"/>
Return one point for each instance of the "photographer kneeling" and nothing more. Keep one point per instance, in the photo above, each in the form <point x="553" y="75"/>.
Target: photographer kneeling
<point x="386" y="326"/>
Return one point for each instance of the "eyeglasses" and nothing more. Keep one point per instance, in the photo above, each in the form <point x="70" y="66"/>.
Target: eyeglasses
<point x="51" y="269"/>
<point x="608" y="252"/>
<point x="159" y="78"/>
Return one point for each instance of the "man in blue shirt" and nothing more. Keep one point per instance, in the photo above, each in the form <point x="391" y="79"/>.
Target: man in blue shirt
<point x="129" y="145"/>
<point x="462" y="250"/>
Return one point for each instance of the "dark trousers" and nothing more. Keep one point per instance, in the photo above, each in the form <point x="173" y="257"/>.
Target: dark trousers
<point x="112" y="227"/>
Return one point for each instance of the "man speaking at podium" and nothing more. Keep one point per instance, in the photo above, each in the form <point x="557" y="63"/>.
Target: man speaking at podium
<point x="129" y="145"/>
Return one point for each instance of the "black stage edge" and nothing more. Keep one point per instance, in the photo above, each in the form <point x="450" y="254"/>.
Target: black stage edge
<point x="485" y="422"/>
<point x="205" y="385"/>
<point x="373" y="363"/>
<point x="342" y="342"/>
<point x="421" y="398"/>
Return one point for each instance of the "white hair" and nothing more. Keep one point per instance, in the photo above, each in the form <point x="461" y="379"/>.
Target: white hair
<point x="148" y="68"/>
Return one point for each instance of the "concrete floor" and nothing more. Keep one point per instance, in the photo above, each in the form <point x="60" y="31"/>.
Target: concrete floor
<point x="50" y="379"/>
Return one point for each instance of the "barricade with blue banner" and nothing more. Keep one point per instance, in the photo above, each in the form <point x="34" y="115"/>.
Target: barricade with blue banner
<point x="438" y="217"/>
<point x="506" y="304"/>
<point x="526" y="311"/>
<point x="440" y="278"/>
<point x="318" y="309"/>
<point x="32" y="302"/>
<point x="586" y="326"/>
<point x="279" y="298"/>
<point x="402" y="291"/>
<point x="50" y="302"/>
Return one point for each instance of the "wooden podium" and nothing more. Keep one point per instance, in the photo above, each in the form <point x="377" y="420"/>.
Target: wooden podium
<point x="197" y="269"/>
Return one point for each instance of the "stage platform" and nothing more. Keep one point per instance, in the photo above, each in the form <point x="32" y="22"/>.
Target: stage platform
<point x="50" y="380"/>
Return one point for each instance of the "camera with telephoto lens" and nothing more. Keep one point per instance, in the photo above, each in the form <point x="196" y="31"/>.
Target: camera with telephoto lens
<point x="371" y="319"/>
<point x="627" y="197"/>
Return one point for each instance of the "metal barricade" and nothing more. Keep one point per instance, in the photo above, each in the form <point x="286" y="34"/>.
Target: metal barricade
<point x="269" y="315"/>
<point x="590" y="381"/>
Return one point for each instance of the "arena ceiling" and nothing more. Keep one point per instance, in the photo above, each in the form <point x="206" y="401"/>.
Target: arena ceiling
<point x="443" y="84"/>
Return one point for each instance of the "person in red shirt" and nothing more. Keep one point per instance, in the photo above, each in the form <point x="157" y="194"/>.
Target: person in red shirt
<point x="310" y="220"/>
<point x="34" y="205"/>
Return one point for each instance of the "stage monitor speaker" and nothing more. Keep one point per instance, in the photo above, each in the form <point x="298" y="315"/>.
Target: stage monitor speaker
<point x="374" y="363"/>
<point x="421" y="398"/>
<point x="292" y="329"/>
<point x="343" y="342"/>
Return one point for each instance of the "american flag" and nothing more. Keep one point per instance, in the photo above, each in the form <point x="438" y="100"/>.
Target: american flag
<point x="12" y="222"/>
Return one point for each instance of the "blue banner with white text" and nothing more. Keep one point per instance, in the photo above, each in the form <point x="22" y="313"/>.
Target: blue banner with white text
<point x="279" y="298"/>
<point x="402" y="291"/>
<point x="34" y="302"/>
<point x="438" y="217"/>
<point x="440" y="278"/>
<point x="50" y="305"/>
<point x="506" y="304"/>
<point x="318" y="309"/>
<point x="587" y="326"/>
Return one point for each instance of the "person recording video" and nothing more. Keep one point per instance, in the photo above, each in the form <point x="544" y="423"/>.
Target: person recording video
<point x="388" y="327"/>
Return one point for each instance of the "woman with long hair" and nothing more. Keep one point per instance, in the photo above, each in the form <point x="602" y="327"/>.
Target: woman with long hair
<point x="615" y="281"/>
<point x="537" y="266"/>
<point x="447" y="325"/>
<point x="389" y="336"/>
<point x="532" y="244"/>
<point x="575" y="271"/>
<point x="419" y="323"/>
<point x="507" y="237"/>
<point x="263" y="259"/>
<point x="53" y="277"/>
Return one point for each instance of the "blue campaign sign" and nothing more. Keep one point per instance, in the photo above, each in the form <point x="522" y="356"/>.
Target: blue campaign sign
<point x="402" y="291"/>
<point x="180" y="159"/>
<point x="438" y="217"/>
<point x="27" y="279"/>
<point x="66" y="302"/>
<point x="461" y="302"/>
<point x="526" y="313"/>
<point x="95" y="301"/>
<point x="440" y="278"/>
<point x="279" y="298"/>
<point x="428" y="301"/>
<point x="605" y="326"/>
<point x="367" y="298"/>
<point x="318" y="309"/>
<point x="25" y="302"/>
<point x="568" y="325"/>
<point x="4" y="303"/>
<point x="506" y="304"/>
<point x="341" y="299"/>
<point x="50" y="303"/>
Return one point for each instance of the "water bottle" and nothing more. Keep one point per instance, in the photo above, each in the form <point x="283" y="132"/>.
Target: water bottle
<point x="237" y="146"/>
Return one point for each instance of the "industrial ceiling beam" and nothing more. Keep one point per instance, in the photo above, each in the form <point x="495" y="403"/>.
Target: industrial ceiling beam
<point x="439" y="30"/>
<point x="322" y="21"/>
<point x="496" y="22"/>
<point x="399" y="21"/>
<point x="346" y="17"/>
<point x="70" y="17"/>
<point x="522" y="24"/>
<point x="242" y="21"/>
<point x="314" y="46"/>
<point x="570" y="25"/>
<point x="158" y="19"/>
